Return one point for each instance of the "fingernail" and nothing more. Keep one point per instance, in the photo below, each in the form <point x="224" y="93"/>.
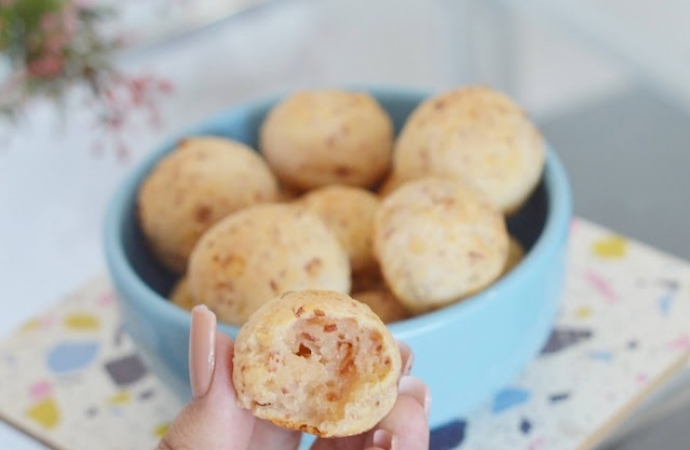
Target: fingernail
<point x="202" y="344"/>
<point x="383" y="439"/>
<point x="414" y="387"/>
<point x="407" y="357"/>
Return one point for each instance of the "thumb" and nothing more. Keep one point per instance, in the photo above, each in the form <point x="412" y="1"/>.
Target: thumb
<point x="211" y="420"/>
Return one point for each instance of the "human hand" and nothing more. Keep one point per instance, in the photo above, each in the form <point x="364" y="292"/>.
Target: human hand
<point x="213" y="421"/>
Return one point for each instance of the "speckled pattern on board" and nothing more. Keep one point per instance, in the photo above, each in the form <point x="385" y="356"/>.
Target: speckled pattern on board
<point x="73" y="379"/>
<point x="621" y="329"/>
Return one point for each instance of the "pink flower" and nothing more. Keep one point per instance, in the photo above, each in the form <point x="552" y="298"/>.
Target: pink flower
<point x="49" y="65"/>
<point x="50" y="22"/>
<point x="69" y="21"/>
<point x="6" y="3"/>
<point x="55" y="43"/>
<point x="63" y="23"/>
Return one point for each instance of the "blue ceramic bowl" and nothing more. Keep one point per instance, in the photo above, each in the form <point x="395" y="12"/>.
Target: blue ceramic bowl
<point x="465" y="352"/>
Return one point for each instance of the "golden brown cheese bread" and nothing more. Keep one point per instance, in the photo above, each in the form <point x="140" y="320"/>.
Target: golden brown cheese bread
<point x="181" y="295"/>
<point x="349" y="213"/>
<point x="438" y="241"/>
<point x="320" y="137"/>
<point x="383" y="303"/>
<point x="318" y="362"/>
<point x="262" y="251"/>
<point x="516" y="253"/>
<point x="197" y="184"/>
<point x="476" y="135"/>
<point x="390" y="184"/>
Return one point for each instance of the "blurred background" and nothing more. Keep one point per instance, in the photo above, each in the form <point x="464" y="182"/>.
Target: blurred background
<point x="605" y="80"/>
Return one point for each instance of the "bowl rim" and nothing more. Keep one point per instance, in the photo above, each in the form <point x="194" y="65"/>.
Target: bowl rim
<point x="559" y="210"/>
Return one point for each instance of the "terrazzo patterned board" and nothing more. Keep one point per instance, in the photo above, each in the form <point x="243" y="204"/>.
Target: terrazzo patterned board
<point x="74" y="380"/>
<point x="623" y="329"/>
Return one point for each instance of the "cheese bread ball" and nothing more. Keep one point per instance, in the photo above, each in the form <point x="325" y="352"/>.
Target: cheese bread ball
<point x="321" y="137"/>
<point x="383" y="303"/>
<point x="438" y="241"/>
<point x="390" y="184"/>
<point x="287" y="194"/>
<point x="318" y="362"/>
<point x="198" y="183"/>
<point x="515" y="254"/>
<point x="181" y="295"/>
<point x="262" y="251"/>
<point x="476" y="135"/>
<point x="349" y="213"/>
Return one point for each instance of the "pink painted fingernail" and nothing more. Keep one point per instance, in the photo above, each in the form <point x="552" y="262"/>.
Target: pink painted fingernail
<point x="414" y="387"/>
<point x="383" y="439"/>
<point x="202" y="355"/>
